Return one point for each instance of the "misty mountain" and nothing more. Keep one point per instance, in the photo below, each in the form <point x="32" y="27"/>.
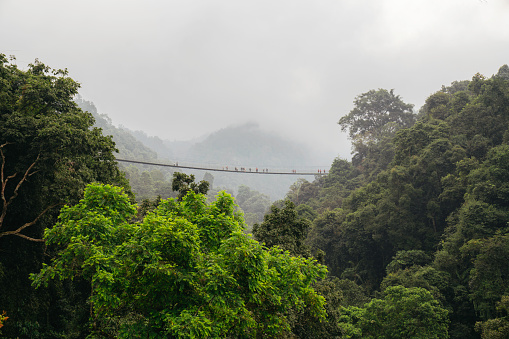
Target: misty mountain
<point x="246" y="146"/>
<point x="129" y="146"/>
<point x="250" y="147"/>
<point x="243" y="146"/>
<point x="153" y="142"/>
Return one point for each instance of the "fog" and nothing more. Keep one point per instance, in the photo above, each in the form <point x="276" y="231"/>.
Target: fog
<point x="181" y="69"/>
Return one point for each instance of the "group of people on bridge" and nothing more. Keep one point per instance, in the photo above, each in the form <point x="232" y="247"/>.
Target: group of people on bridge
<point x="250" y="169"/>
<point x="243" y="169"/>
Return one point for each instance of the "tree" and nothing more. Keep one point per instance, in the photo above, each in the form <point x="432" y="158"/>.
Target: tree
<point x="377" y="113"/>
<point x="49" y="152"/>
<point x="187" y="270"/>
<point x="402" y="313"/>
<point x="503" y="72"/>
<point x="183" y="183"/>
<point x="371" y="125"/>
<point x="497" y="328"/>
<point x="8" y="200"/>
<point x="489" y="277"/>
<point x="284" y="228"/>
<point x="253" y="203"/>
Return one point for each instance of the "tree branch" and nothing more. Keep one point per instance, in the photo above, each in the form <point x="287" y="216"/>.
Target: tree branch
<point x="27" y="174"/>
<point x="6" y="202"/>
<point x="28" y="224"/>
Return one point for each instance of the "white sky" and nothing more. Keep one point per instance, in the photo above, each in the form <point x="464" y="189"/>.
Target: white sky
<point x="180" y="69"/>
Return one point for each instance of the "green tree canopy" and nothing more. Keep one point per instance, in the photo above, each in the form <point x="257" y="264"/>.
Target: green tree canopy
<point x="284" y="228"/>
<point x="402" y="313"/>
<point x="183" y="183"/>
<point x="187" y="270"/>
<point x="377" y="113"/>
<point x="49" y="151"/>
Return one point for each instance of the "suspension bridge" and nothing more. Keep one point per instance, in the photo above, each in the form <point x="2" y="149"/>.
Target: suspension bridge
<point x="238" y="170"/>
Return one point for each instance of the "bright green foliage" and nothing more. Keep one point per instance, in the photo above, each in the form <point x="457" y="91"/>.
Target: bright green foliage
<point x="402" y="313"/>
<point x="187" y="270"/>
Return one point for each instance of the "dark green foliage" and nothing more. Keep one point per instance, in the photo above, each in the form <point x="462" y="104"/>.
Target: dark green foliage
<point x="405" y="259"/>
<point x="322" y="237"/>
<point x="376" y="114"/>
<point x="496" y="328"/>
<point x="371" y="125"/>
<point x="443" y="194"/>
<point x="282" y="227"/>
<point x="41" y="126"/>
<point x="183" y="184"/>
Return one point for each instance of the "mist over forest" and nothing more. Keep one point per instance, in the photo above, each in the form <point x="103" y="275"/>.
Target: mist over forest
<point x="254" y="169"/>
<point x="243" y="146"/>
<point x="408" y="239"/>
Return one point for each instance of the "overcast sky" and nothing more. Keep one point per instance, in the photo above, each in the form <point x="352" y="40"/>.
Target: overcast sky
<point x="179" y="69"/>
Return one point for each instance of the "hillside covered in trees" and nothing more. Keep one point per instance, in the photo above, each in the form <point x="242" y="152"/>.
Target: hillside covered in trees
<point x="423" y="204"/>
<point x="409" y="239"/>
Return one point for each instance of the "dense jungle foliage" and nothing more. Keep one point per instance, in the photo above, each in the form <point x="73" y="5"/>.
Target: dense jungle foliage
<point x="410" y="239"/>
<point x="421" y="205"/>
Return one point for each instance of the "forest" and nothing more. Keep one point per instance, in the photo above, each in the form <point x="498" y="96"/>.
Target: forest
<point x="408" y="239"/>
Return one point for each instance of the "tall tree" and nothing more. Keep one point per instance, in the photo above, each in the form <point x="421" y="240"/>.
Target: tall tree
<point x="372" y="124"/>
<point x="377" y="113"/>
<point x="49" y="152"/>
